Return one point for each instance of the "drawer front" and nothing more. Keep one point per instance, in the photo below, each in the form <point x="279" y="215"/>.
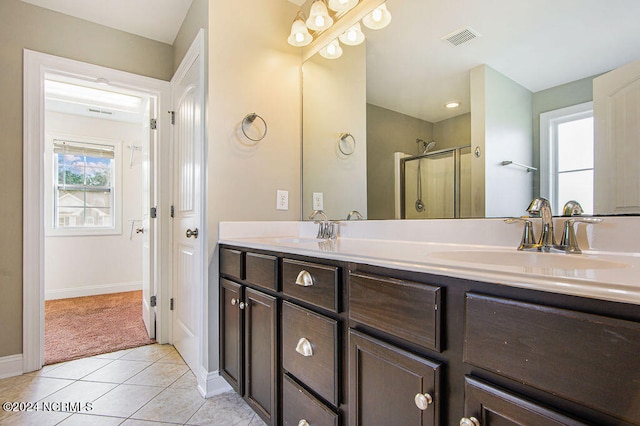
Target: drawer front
<point x="555" y="350"/>
<point x="298" y="405"/>
<point x="262" y="270"/>
<point x="312" y="283"/>
<point x="309" y="350"/>
<point x="231" y="263"/>
<point x="405" y="309"/>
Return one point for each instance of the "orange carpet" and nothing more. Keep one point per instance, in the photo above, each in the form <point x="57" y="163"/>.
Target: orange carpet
<point x="86" y="326"/>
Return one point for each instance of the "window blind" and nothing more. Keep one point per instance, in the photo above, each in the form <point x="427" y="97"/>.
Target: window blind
<point x="83" y="148"/>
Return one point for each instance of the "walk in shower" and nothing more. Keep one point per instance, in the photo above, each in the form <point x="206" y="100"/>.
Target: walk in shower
<point x="436" y="184"/>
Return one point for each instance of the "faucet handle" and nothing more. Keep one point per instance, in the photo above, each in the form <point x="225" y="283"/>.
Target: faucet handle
<point x="528" y="241"/>
<point x="569" y="241"/>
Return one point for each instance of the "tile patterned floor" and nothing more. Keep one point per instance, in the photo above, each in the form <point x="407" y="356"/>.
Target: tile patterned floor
<point x="142" y="386"/>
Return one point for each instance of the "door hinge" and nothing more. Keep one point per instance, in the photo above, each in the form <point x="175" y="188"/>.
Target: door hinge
<point x="171" y="304"/>
<point x="153" y="123"/>
<point x="173" y="117"/>
<point x="153" y="301"/>
<point x="172" y="211"/>
<point x="154" y="212"/>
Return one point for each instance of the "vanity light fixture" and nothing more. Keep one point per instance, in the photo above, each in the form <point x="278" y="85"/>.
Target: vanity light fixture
<point x="379" y="18"/>
<point x="353" y="36"/>
<point x="319" y="18"/>
<point x="342" y="6"/>
<point x="299" y="36"/>
<point x="331" y="51"/>
<point x="452" y="104"/>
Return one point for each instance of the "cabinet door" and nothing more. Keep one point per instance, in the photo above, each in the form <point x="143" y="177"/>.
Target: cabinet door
<point x="487" y="405"/>
<point x="387" y="385"/>
<point x="231" y="333"/>
<point x="261" y="316"/>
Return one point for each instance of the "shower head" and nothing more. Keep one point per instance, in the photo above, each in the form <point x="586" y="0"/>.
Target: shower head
<point x="426" y="146"/>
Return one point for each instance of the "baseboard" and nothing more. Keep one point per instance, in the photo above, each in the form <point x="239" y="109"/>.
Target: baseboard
<point x="91" y="290"/>
<point x="10" y="366"/>
<point x="211" y="383"/>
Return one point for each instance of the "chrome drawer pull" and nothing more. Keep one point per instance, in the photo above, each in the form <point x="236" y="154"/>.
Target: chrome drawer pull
<point x="471" y="421"/>
<point x="234" y="301"/>
<point x="304" y="279"/>
<point x="423" y="400"/>
<point x="304" y="347"/>
<point x="303" y="422"/>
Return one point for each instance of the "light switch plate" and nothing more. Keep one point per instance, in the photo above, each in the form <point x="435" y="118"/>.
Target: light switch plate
<point x="282" y="200"/>
<point x="318" y="203"/>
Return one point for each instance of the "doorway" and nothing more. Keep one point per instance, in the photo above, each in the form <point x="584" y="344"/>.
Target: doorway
<point x="38" y="67"/>
<point x="97" y="192"/>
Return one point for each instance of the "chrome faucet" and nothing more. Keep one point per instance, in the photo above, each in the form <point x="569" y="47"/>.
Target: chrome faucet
<point x="354" y="214"/>
<point x="326" y="228"/>
<point x="572" y="208"/>
<point x="542" y="207"/>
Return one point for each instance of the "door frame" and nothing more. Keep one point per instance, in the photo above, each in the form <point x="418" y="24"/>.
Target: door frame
<point x="36" y="65"/>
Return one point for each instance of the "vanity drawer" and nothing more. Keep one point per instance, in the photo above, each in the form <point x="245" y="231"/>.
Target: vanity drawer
<point x="298" y="405"/>
<point x="311" y="282"/>
<point x="262" y="270"/>
<point x="405" y="309"/>
<point x="589" y="359"/>
<point x="231" y="263"/>
<point x="309" y="350"/>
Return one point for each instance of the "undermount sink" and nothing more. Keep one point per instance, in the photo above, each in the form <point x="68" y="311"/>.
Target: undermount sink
<point x="529" y="259"/>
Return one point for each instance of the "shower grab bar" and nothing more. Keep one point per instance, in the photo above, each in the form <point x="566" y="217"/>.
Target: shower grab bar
<point x="524" y="166"/>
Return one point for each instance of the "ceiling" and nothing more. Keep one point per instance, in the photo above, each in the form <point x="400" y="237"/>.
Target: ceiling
<point x="155" y="19"/>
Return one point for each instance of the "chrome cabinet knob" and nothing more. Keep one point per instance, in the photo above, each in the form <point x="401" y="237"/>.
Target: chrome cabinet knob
<point x="304" y="279"/>
<point x="304" y="347"/>
<point x="234" y="301"/>
<point x="303" y="422"/>
<point x="469" y="421"/>
<point x="423" y="400"/>
<point x="242" y="305"/>
<point x="191" y="233"/>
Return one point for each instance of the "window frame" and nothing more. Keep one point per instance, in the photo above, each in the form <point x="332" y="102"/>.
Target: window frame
<point x="51" y="184"/>
<point x="549" y="122"/>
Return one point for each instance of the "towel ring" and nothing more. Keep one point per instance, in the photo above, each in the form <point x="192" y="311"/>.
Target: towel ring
<point x="250" y="118"/>
<point x="347" y="143"/>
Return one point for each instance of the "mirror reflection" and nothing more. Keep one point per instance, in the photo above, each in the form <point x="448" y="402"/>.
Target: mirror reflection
<point x="548" y="95"/>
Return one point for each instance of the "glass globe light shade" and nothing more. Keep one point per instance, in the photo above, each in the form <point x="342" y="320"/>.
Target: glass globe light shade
<point x="378" y="18"/>
<point x="331" y="51"/>
<point x="319" y="18"/>
<point x="299" y="33"/>
<point x="353" y="36"/>
<point x="342" y="5"/>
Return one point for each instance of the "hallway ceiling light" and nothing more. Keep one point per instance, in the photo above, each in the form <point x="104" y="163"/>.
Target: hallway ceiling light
<point x="341" y="6"/>
<point x="452" y="104"/>
<point x="353" y="36"/>
<point x="379" y="18"/>
<point x="331" y="51"/>
<point x="299" y="36"/>
<point x="319" y="18"/>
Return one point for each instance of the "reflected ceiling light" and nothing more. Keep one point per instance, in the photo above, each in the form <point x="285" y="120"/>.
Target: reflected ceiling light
<point x="331" y="51"/>
<point x="342" y="5"/>
<point x="299" y="33"/>
<point x="453" y="104"/>
<point x="353" y="36"/>
<point x="319" y="18"/>
<point x="378" y="18"/>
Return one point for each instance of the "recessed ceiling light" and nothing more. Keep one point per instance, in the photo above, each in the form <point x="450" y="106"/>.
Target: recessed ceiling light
<point x="454" y="104"/>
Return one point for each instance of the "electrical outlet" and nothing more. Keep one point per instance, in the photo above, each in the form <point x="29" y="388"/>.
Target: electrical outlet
<point x="282" y="200"/>
<point x="318" y="201"/>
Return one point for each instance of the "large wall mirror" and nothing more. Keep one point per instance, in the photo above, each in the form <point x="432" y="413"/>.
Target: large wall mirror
<point x="549" y="105"/>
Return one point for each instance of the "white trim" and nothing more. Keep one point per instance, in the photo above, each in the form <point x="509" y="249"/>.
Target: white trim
<point x="10" y="366"/>
<point x="92" y="290"/>
<point x="548" y="160"/>
<point x="35" y="66"/>
<point x="211" y="383"/>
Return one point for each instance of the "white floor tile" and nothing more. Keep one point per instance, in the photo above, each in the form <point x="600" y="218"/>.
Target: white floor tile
<point x="117" y="371"/>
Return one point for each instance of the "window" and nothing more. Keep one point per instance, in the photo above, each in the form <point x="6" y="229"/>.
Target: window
<point x="84" y="191"/>
<point x="566" y="156"/>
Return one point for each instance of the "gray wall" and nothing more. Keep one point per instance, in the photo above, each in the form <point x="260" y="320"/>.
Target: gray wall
<point x="197" y="17"/>
<point x="27" y="26"/>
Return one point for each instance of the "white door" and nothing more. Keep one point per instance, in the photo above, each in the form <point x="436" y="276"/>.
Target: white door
<point x="188" y="175"/>
<point x="147" y="226"/>
<point x="616" y="113"/>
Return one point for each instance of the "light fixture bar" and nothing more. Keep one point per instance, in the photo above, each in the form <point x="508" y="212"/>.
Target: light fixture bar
<point x="347" y="20"/>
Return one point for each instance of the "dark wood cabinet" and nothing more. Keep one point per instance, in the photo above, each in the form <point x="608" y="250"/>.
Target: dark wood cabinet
<point x="231" y="334"/>
<point x="390" y="386"/>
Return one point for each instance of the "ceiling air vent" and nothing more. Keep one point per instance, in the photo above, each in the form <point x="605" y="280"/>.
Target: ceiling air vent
<point x="460" y="36"/>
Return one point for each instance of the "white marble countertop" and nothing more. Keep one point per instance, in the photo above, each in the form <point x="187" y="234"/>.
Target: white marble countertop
<point x="613" y="276"/>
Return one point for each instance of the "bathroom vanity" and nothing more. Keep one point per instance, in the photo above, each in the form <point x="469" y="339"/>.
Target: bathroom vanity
<point x="325" y="332"/>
